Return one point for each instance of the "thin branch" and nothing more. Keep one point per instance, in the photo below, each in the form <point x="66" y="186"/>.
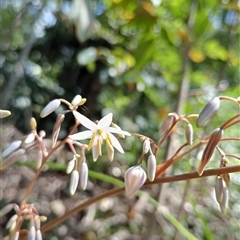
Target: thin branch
<point x="31" y="185"/>
<point x="110" y="193"/>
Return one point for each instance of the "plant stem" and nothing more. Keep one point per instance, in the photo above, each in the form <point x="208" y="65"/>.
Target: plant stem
<point x="31" y="185"/>
<point x="110" y="193"/>
<point x="230" y="122"/>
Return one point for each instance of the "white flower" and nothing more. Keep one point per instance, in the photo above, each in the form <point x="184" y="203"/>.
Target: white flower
<point x="98" y="133"/>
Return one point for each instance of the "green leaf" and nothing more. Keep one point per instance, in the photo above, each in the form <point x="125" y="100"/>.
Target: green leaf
<point x="215" y="50"/>
<point x="87" y="56"/>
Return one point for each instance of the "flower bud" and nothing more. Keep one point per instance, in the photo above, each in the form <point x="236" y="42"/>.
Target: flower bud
<point x="226" y="178"/>
<point x="151" y="167"/>
<point x="32" y="233"/>
<point x="76" y="100"/>
<point x="15" y="236"/>
<point x="209" y="149"/>
<point x="74" y="182"/>
<point x="166" y="124"/>
<point x="11" y="148"/>
<point x="42" y="134"/>
<point x="192" y="116"/>
<point x="189" y="134"/>
<point x="135" y="177"/>
<point x="4" y="113"/>
<point x="82" y="101"/>
<point x="13" y="226"/>
<point x="5" y="210"/>
<point x="37" y="222"/>
<point x="43" y="218"/>
<point x="56" y="128"/>
<point x="12" y="221"/>
<point x="51" y="107"/>
<point x="146" y="145"/>
<point x="39" y="235"/>
<point x="71" y="165"/>
<point x="208" y="111"/>
<point x="219" y="189"/>
<point x="33" y="123"/>
<point x="84" y="175"/>
<point x="30" y="138"/>
<point x="224" y="202"/>
<point x="39" y="158"/>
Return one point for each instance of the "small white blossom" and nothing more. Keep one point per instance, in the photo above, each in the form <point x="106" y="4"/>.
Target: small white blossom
<point x="98" y="133"/>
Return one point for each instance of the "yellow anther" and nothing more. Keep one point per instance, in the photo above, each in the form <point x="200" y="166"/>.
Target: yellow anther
<point x="99" y="145"/>
<point x="91" y="140"/>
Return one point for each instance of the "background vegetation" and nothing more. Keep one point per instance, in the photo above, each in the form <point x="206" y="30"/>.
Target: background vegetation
<point x="139" y="60"/>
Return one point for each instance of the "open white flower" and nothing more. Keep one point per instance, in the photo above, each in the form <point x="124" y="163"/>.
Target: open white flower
<point x="98" y="133"/>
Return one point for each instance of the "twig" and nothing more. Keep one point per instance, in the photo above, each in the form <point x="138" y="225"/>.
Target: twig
<point x="110" y="193"/>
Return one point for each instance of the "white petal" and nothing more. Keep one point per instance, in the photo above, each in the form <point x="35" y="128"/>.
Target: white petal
<point x="105" y="121"/>
<point x="85" y="121"/>
<point x="81" y="135"/>
<point x="118" y="131"/>
<point x="95" y="153"/>
<point x="115" y="143"/>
